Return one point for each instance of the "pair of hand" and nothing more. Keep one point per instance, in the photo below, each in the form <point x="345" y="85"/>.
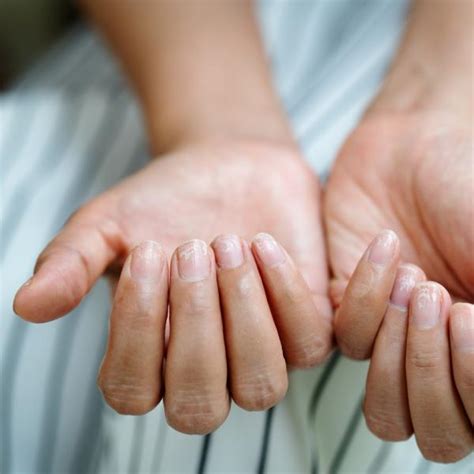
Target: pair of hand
<point x="395" y="172"/>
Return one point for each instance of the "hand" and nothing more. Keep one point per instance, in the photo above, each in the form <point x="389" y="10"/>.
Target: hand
<point x="422" y="365"/>
<point x="394" y="172"/>
<point x="408" y="167"/>
<point x="197" y="191"/>
<point x="413" y="174"/>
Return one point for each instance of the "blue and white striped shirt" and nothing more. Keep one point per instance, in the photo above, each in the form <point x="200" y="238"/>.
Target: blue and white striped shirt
<point x="69" y="130"/>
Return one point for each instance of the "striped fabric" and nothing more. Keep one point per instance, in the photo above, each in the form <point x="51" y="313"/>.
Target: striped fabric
<point x="70" y="129"/>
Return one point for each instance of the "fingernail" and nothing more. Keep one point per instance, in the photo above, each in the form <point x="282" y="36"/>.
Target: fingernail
<point x="268" y="250"/>
<point x="27" y="283"/>
<point x="147" y="261"/>
<point x="462" y="327"/>
<point x="405" y="281"/>
<point x="383" y="247"/>
<point x="194" y="263"/>
<point x="426" y="306"/>
<point x="228" y="250"/>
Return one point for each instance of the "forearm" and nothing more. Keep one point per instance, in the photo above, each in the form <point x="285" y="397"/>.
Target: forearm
<point x="434" y="64"/>
<point x="198" y="68"/>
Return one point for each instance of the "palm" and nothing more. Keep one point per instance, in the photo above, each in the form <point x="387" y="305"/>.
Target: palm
<point x="203" y="191"/>
<point x="413" y="174"/>
<point x="199" y="191"/>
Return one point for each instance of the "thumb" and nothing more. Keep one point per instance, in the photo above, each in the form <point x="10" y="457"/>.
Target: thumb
<point x="68" y="267"/>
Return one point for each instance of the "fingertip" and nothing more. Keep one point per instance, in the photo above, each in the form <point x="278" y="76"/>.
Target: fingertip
<point x="426" y="288"/>
<point x="146" y="261"/>
<point x="384" y="248"/>
<point x="18" y="300"/>
<point x="462" y="310"/>
<point x="193" y="261"/>
<point x="18" y="305"/>
<point x="267" y="250"/>
<point x="148" y="246"/>
<point x="38" y="301"/>
<point x="414" y="269"/>
<point x="445" y="297"/>
<point x="228" y="251"/>
<point x="406" y="279"/>
<point x="461" y="325"/>
<point x="388" y="235"/>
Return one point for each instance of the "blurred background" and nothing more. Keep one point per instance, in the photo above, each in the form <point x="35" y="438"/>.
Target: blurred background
<point x="27" y="29"/>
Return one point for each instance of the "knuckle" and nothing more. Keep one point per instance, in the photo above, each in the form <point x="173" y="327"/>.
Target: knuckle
<point x="137" y="320"/>
<point x="74" y="280"/>
<point x="259" y="391"/>
<point x="245" y="287"/>
<point x="360" y="290"/>
<point x="393" y="341"/>
<point x="197" y="301"/>
<point x="195" y="413"/>
<point x="425" y="360"/>
<point x="73" y="293"/>
<point x="351" y="349"/>
<point x="308" y="353"/>
<point x="383" y="425"/>
<point x="354" y="342"/>
<point x="127" y="398"/>
<point x="447" y="449"/>
<point x="293" y="294"/>
<point x="355" y="352"/>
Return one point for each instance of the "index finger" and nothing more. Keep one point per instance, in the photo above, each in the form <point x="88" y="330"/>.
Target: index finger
<point x="130" y="374"/>
<point x="366" y="297"/>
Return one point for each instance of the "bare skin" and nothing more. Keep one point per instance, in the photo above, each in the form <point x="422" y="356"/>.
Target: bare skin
<point x="227" y="164"/>
<point x="419" y="342"/>
<point x="408" y="167"/>
<point x="171" y="201"/>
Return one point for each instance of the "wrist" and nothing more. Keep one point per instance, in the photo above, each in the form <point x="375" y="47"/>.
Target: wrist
<point x="412" y="90"/>
<point x="422" y="87"/>
<point x="204" y="75"/>
<point x="175" y="127"/>
<point x="433" y="66"/>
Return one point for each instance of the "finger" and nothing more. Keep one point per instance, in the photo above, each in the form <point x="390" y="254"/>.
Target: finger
<point x="130" y="375"/>
<point x="442" y="430"/>
<point x="461" y="325"/>
<point x="67" y="268"/>
<point x="306" y="335"/>
<point x="386" y="401"/>
<point x="112" y="280"/>
<point x="308" y="250"/>
<point x="366" y="297"/>
<point x="196" y="398"/>
<point x="258" y="378"/>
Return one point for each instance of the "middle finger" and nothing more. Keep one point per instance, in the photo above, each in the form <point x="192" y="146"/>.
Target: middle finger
<point x="196" y="398"/>
<point x="441" y="427"/>
<point x="258" y="377"/>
